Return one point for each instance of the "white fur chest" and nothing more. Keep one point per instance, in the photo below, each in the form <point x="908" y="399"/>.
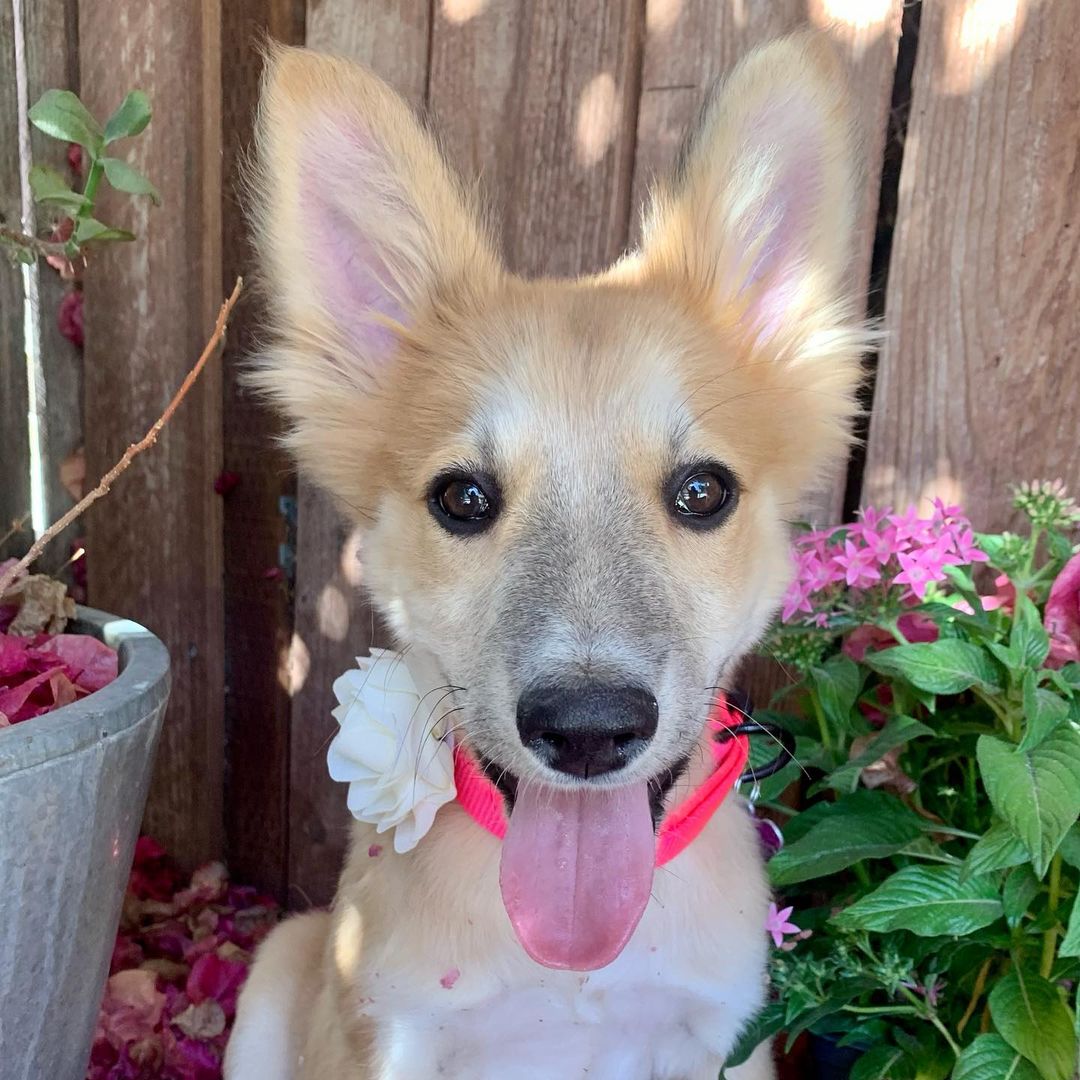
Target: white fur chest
<point x="452" y="994"/>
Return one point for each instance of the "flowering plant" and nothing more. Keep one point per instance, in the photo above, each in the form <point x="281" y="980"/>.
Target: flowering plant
<point x="928" y="919"/>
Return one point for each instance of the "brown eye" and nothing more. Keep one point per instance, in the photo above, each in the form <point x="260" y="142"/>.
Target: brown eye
<point x="703" y="496"/>
<point x="463" y="504"/>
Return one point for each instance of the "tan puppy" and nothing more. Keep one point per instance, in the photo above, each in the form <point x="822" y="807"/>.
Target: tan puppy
<point x="574" y="496"/>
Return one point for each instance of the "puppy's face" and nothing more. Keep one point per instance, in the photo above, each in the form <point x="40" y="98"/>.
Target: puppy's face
<point x="573" y="493"/>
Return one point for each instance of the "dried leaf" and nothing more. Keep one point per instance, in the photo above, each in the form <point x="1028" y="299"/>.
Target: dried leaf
<point x="202" y="1021"/>
<point x="885" y="772"/>
<point x="43" y="606"/>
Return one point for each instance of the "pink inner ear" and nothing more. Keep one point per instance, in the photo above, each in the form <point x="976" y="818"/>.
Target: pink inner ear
<point x="343" y="183"/>
<point x="792" y="134"/>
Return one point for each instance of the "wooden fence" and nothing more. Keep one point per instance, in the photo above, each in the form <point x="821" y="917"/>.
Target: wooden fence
<point x="567" y="108"/>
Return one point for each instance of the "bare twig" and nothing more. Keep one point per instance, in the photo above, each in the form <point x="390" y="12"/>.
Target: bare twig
<point x="148" y="440"/>
<point x="45" y="248"/>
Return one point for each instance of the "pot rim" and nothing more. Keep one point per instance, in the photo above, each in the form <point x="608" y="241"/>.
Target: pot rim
<point x="139" y="689"/>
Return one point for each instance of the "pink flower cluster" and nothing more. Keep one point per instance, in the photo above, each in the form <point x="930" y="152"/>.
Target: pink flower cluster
<point x="881" y="550"/>
<point x="180" y="958"/>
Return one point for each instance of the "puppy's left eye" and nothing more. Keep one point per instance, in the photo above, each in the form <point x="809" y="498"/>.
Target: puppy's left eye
<point x="463" y="503"/>
<point x="703" y="496"/>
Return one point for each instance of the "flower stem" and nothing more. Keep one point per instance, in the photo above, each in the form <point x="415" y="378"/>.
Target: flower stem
<point x="1050" y="936"/>
<point x="823" y="724"/>
<point x="883" y="1010"/>
<point x="927" y="1011"/>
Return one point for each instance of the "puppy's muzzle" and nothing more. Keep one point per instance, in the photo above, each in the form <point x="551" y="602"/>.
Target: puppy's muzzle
<point x="587" y="731"/>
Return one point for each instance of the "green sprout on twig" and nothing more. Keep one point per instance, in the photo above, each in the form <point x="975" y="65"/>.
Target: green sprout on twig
<point x="61" y="115"/>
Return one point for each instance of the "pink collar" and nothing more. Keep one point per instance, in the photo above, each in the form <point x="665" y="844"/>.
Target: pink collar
<point x="481" y="799"/>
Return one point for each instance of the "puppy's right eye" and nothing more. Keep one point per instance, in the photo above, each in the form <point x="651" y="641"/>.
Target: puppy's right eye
<point x="463" y="504"/>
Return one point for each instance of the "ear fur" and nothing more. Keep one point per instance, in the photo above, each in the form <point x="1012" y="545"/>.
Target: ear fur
<point x="757" y="223"/>
<point x="759" y="210"/>
<point x="361" y="228"/>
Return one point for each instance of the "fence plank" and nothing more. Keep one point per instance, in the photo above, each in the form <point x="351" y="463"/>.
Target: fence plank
<point x="540" y="99"/>
<point x="257" y="541"/>
<point x="155" y="544"/>
<point x="333" y="621"/>
<point x="52" y="61"/>
<point x="976" y="387"/>
<point x="14" y="442"/>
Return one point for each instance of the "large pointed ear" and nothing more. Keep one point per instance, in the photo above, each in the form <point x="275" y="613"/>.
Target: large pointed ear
<point x="361" y="228"/>
<point x="758" y="214"/>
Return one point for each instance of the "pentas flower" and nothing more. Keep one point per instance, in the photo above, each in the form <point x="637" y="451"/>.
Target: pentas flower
<point x="777" y="925"/>
<point x="859" y="564"/>
<point x="884" y="558"/>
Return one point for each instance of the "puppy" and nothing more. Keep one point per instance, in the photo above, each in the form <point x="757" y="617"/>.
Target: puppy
<point x="574" y="496"/>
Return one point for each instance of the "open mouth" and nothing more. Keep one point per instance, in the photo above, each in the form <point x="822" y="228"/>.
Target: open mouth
<point x="577" y="864"/>
<point x="659" y="786"/>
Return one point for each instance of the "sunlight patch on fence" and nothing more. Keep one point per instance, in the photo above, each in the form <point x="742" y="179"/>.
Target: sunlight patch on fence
<point x="294" y="664"/>
<point x="978" y="35"/>
<point x="349" y="562"/>
<point x="597" y="119"/>
<point x="662" y="15"/>
<point x="332" y="611"/>
<point x="858" y="14"/>
<point x="461" y="11"/>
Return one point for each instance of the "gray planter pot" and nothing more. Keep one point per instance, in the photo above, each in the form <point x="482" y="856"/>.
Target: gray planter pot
<point x="72" y="790"/>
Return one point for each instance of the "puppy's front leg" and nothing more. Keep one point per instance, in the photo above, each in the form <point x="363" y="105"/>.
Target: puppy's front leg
<point x="275" y="1011"/>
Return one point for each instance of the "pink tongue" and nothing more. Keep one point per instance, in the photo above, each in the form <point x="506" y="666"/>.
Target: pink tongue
<point x="576" y="871"/>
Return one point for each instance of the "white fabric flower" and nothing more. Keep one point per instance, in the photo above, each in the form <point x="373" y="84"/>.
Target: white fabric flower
<point x="392" y="748"/>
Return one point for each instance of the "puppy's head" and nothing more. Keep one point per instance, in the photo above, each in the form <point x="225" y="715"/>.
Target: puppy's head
<point x="573" y="493"/>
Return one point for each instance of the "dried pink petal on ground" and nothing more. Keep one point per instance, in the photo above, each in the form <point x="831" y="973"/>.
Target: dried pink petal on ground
<point x="184" y="947"/>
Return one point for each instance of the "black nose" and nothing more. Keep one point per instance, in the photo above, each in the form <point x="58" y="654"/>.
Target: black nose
<point x="586" y="731"/>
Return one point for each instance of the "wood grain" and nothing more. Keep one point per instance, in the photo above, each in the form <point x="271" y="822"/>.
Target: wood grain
<point x="977" y="385"/>
<point x="155" y="548"/>
<point x="257" y="540"/>
<point x="52" y="61"/>
<point x="540" y="100"/>
<point x="333" y="621"/>
<point x="14" y="441"/>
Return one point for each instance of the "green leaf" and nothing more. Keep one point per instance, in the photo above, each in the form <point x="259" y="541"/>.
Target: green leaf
<point x="883" y="1063"/>
<point x="763" y="1026"/>
<point x="125" y="178"/>
<point x="841" y="993"/>
<point x="49" y="186"/>
<point x="898" y="731"/>
<point x="1070" y="847"/>
<point x="854" y="830"/>
<point x="837" y="682"/>
<point x="990" y="1057"/>
<point x="1059" y="545"/>
<point x="1036" y="791"/>
<point x="928" y="901"/>
<point x="946" y="666"/>
<point x="1070" y="945"/>
<point x="1021" y="887"/>
<point x="62" y="115"/>
<point x="1028" y="640"/>
<point x="89" y="228"/>
<point x="1044" y="711"/>
<point x="1031" y="1017"/>
<point x="998" y="849"/>
<point x="130" y="118"/>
